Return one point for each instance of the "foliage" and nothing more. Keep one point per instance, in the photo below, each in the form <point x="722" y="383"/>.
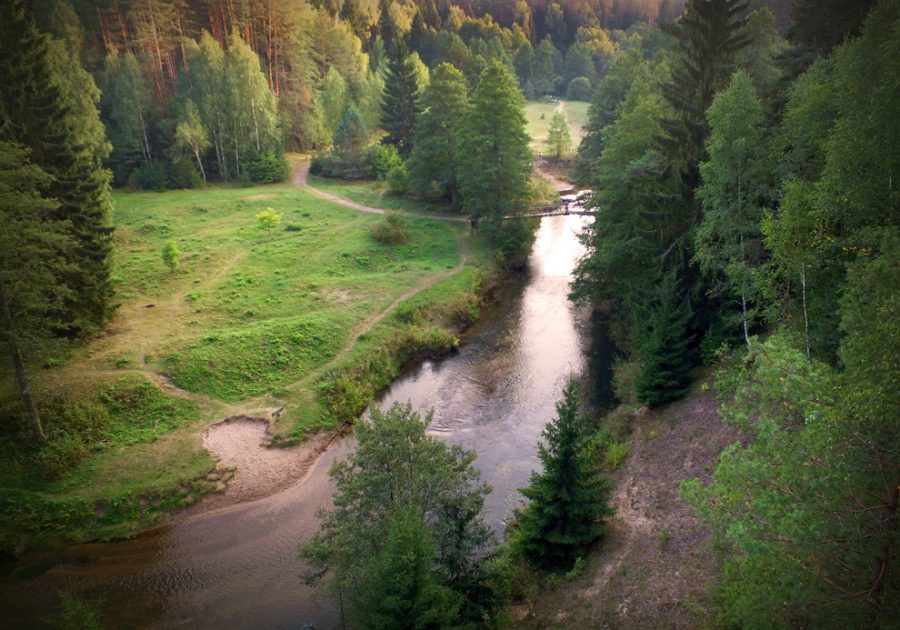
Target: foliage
<point x="398" y="489"/>
<point x="569" y="499"/>
<point x="268" y="220"/>
<point x="734" y="190"/>
<point x="579" y="89"/>
<point x="77" y="613"/>
<point x="664" y="347"/>
<point x="267" y="167"/>
<point x="170" y="255"/>
<point x="33" y="267"/>
<point x="493" y="177"/>
<point x="391" y="230"/>
<point x="434" y="161"/>
<point x="50" y="106"/>
<point x="383" y="158"/>
<point x="400" y="108"/>
<point x="559" y="140"/>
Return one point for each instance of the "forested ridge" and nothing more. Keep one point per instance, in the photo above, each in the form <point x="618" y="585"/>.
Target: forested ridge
<point x="742" y="160"/>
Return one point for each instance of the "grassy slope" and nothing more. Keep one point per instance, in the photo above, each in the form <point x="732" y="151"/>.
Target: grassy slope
<point x="536" y="127"/>
<point x="248" y="322"/>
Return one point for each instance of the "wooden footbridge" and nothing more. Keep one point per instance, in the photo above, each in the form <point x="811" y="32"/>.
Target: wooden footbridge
<point x="570" y="202"/>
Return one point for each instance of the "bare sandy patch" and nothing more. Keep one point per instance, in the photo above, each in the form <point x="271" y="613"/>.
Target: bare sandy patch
<point x="241" y="444"/>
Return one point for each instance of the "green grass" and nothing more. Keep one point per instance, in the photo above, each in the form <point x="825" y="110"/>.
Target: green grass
<point x="538" y="114"/>
<point x="374" y="194"/>
<point x="248" y="317"/>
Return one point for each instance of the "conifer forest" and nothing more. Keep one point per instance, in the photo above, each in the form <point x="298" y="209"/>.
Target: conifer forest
<point x="450" y="314"/>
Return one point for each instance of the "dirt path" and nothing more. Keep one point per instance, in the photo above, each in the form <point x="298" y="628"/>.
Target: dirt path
<point x="301" y="177"/>
<point x="653" y="567"/>
<point x="248" y="467"/>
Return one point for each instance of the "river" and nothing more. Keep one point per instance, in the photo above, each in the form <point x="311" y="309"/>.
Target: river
<point x="238" y="566"/>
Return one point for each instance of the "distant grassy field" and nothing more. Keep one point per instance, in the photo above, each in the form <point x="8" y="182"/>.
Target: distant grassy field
<point x="538" y="114"/>
<point x="247" y="322"/>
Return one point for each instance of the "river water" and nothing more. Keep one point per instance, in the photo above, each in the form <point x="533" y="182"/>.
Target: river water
<point x="238" y="566"/>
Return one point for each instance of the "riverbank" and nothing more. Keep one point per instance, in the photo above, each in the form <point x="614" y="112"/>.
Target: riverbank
<point x="264" y="327"/>
<point x="656" y="564"/>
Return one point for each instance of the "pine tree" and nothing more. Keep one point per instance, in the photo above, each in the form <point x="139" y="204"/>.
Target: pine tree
<point x="664" y="346"/>
<point x="49" y="104"/>
<point x="433" y="164"/>
<point x="33" y="267"/>
<point x="709" y="36"/>
<point x="402" y="588"/>
<point x="569" y="499"/>
<point x="400" y="108"/>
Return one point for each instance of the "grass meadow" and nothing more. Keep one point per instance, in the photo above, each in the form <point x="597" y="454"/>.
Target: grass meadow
<point x="538" y="114"/>
<point x="248" y="321"/>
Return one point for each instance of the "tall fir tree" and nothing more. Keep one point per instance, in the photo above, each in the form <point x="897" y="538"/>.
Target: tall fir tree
<point x="570" y="498"/>
<point x="709" y="36"/>
<point x="49" y="104"/>
<point x="494" y="160"/>
<point x="33" y="267"/>
<point x="433" y="167"/>
<point x="664" y="344"/>
<point x="400" y="106"/>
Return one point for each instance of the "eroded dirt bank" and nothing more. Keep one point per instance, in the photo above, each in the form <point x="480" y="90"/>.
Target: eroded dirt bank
<point x="653" y="569"/>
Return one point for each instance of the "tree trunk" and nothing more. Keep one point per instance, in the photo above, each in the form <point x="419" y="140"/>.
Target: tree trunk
<point x="200" y="164"/>
<point x="22" y="380"/>
<point x="805" y="311"/>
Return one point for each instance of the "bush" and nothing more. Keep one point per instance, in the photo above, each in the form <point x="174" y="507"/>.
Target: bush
<point x="61" y="455"/>
<point x="90" y="420"/>
<point x="267" y="167"/>
<point x="580" y="89"/>
<point x="398" y="180"/>
<point x="150" y="177"/>
<point x="333" y="165"/>
<point x="390" y="231"/>
<point x="184" y="174"/>
<point x="382" y="159"/>
<point x="615" y="456"/>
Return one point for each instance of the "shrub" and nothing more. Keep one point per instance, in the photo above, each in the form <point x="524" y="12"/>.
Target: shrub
<point x="616" y="453"/>
<point x="61" y="454"/>
<point x="382" y="159"/>
<point x="398" y="180"/>
<point x="150" y="177"/>
<point x="267" y="167"/>
<point x="183" y="174"/>
<point x="391" y="230"/>
<point x="90" y="420"/>
<point x="333" y="165"/>
<point x="579" y="89"/>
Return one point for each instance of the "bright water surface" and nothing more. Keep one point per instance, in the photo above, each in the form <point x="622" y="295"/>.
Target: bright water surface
<point x="237" y="567"/>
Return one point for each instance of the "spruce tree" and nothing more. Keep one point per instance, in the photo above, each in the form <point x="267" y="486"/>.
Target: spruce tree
<point x="49" y="104"/>
<point x="402" y="589"/>
<point x="400" y="108"/>
<point x="33" y="267"/>
<point x="709" y="36"/>
<point x="433" y="167"/>
<point x="569" y="499"/>
<point x="664" y="346"/>
<point x="494" y="160"/>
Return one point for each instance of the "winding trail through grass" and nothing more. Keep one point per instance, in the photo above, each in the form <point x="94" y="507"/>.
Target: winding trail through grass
<point x="230" y="441"/>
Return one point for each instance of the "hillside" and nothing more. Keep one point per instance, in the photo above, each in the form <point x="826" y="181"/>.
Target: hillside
<point x="655" y="566"/>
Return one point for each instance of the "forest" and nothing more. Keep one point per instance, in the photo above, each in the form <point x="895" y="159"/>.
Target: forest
<point x="175" y="179"/>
